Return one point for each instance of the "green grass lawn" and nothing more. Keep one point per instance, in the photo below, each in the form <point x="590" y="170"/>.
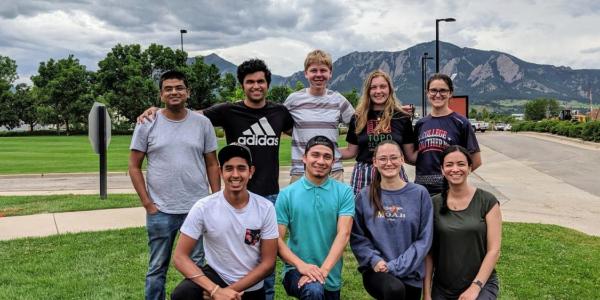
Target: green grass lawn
<point x="66" y="154"/>
<point x="538" y="262"/>
<point x="29" y="205"/>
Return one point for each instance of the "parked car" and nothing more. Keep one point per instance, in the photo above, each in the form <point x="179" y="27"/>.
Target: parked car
<point x="502" y="127"/>
<point x="479" y="125"/>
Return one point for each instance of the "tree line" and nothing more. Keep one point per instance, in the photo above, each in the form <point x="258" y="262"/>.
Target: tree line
<point x="63" y="90"/>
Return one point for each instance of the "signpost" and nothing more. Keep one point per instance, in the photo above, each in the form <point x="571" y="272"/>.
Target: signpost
<point x="99" y="127"/>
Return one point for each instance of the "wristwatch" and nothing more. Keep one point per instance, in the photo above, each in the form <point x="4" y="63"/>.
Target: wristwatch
<point x="478" y="283"/>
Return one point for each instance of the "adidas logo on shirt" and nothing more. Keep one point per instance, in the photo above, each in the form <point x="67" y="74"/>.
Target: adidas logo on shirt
<point x="260" y="134"/>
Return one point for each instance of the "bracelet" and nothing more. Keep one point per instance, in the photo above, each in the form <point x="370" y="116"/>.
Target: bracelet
<point x="196" y="276"/>
<point x="214" y="290"/>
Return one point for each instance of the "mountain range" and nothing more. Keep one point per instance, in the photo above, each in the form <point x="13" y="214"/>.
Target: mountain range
<point x="485" y="76"/>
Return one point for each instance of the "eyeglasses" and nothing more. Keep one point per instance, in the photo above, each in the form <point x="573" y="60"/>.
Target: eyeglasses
<point x="384" y="160"/>
<point x="170" y="89"/>
<point x="443" y="92"/>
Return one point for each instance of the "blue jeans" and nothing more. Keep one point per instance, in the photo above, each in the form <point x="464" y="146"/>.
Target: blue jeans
<point x="162" y="229"/>
<point x="269" y="281"/>
<point x="309" y="291"/>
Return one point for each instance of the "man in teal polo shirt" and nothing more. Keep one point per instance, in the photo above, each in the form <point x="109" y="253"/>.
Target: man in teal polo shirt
<point x="317" y="211"/>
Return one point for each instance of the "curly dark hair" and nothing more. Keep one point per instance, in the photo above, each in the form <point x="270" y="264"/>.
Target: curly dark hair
<point x="252" y="66"/>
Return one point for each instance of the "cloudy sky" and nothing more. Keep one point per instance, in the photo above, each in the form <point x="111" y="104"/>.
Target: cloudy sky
<point x="553" y="32"/>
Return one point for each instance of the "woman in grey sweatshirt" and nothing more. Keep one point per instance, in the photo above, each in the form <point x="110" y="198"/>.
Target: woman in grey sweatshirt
<point x="392" y="230"/>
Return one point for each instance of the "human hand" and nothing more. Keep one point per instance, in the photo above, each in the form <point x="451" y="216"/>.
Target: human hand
<point x="313" y="272"/>
<point x="151" y="208"/>
<point x="304" y="280"/>
<point x="149" y="114"/>
<point x="381" y="266"/>
<point x="227" y="293"/>
<point x="471" y="293"/>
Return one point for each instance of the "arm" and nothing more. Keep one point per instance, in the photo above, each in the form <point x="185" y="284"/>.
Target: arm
<point x="212" y="171"/>
<point x="136" y="158"/>
<point x="476" y="160"/>
<point x="268" y="252"/>
<point x="344" y="225"/>
<point x="410" y="260"/>
<point x="150" y="114"/>
<point x="493" y="220"/>
<point x="311" y="271"/>
<point x="190" y="270"/>
<point x="362" y="247"/>
<point x="349" y="152"/>
<point x="427" y="281"/>
<point x="410" y="154"/>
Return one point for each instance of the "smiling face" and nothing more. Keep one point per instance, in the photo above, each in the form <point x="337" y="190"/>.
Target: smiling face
<point x="388" y="160"/>
<point x="318" y="74"/>
<point x="236" y="172"/>
<point x="255" y="87"/>
<point x="438" y="94"/>
<point x="318" y="161"/>
<point x="456" y="168"/>
<point x="174" y="93"/>
<point x="379" y="92"/>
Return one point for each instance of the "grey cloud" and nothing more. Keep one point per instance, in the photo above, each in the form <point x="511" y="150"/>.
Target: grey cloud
<point x="590" y="50"/>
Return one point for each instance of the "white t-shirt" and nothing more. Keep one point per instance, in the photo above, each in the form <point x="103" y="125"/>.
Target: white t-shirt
<point x="232" y="236"/>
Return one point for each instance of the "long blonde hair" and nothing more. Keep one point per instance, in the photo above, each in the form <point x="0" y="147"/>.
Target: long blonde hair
<point x="391" y="106"/>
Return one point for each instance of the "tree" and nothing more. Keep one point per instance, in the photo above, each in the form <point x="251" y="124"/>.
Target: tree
<point x="352" y="97"/>
<point x="64" y="89"/>
<point x="279" y="93"/>
<point x="228" y="87"/>
<point x="25" y="105"/>
<point x="541" y="108"/>
<point x="8" y="74"/>
<point x="126" y="79"/>
<point x="473" y="113"/>
<point x="299" y="86"/>
<point x="205" y="82"/>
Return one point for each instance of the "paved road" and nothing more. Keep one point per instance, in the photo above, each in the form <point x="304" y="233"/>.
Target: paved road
<point x="576" y="165"/>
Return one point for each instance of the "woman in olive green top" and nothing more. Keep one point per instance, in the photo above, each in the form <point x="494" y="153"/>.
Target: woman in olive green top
<point x="466" y="238"/>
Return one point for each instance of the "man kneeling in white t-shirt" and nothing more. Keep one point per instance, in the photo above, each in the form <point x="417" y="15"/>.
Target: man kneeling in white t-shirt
<point x="240" y="234"/>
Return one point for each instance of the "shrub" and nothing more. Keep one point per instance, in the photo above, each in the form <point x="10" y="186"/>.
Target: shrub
<point x="219" y="132"/>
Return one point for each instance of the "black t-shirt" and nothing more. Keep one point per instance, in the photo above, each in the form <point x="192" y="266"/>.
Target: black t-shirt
<point x="434" y="135"/>
<point x="260" y="130"/>
<point x="401" y="132"/>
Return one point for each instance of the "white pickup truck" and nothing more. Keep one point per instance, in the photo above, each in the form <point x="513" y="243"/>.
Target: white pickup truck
<point x="479" y="125"/>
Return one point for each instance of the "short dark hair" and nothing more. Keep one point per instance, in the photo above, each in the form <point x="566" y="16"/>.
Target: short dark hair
<point x="252" y="66"/>
<point x="443" y="77"/>
<point x="445" y="186"/>
<point x="234" y="150"/>
<point x="172" y="74"/>
<point x="319" y="140"/>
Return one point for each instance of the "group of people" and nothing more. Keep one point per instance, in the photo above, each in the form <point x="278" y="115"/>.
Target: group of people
<point x="407" y="244"/>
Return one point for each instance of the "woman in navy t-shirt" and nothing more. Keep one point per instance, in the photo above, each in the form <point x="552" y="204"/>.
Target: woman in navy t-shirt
<point x="378" y="117"/>
<point x="439" y="130"/>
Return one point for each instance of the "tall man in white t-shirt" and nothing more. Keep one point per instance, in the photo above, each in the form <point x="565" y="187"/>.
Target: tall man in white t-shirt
<point x="240" y="234"/>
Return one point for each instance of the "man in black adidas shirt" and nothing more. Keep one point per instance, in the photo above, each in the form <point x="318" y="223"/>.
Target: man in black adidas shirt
<point x="256" y="123"/>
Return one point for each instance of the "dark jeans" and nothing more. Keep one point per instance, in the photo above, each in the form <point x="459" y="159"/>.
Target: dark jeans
<point x="269" y="281"/>
<point x="188" y="289"/>
<point x="162" y="229"/>
<point x="385" y="286"/>
<point x="309" y="291"/>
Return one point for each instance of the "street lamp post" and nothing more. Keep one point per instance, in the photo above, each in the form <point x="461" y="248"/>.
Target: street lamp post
<point x="182" y="31"/>
<point x="437" y="41"/>
<point x="424" y="59"/>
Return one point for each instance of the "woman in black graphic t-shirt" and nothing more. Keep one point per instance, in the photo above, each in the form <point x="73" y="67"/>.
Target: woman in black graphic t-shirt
<point x="378" y="117"/>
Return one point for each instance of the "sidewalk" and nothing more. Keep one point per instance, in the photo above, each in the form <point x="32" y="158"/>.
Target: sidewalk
<point x="526" y="195"/>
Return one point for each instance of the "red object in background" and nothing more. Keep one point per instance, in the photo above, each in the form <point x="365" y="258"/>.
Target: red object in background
<point x="460" y="104"/>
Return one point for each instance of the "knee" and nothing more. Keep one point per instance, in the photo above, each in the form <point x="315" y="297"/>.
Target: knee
<point x="187" y="290"/>
<point x="394" y="291"/>
<point x="313" y="290"/>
